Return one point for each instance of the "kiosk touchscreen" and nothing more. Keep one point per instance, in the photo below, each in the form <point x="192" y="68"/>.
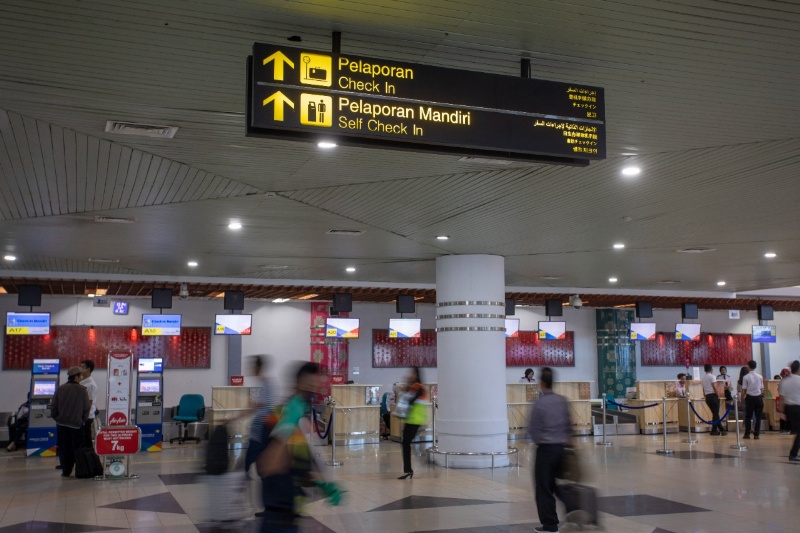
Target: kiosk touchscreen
<point x="149" y="403"/>
<point x="41" y="426"/>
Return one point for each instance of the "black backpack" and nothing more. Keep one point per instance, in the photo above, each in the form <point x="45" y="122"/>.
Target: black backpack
<point x="217" y="451"/>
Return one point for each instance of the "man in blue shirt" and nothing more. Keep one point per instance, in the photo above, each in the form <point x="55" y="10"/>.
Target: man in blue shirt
<point x="551" y="431"/>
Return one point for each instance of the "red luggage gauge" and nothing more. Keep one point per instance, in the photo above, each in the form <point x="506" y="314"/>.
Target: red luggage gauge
<point x="118" y="441"/>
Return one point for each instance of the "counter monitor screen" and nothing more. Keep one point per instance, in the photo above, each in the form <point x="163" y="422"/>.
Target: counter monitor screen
<point x="149" y="386"/>
<point x="233" y="324"/>
<point x="512" y="327"/>
<point x="643" y="331"/>
<point x="765" y="333"/>
<point x="161" y="325"/>
<point x="152" y="365"/>
<point x="46" y="366"/>
<point x="687" y="332"/>
<point x="342" y="328"/>
<point x="44" y="388"/>
<point x="551" y="331"/>
<point x="27" y="323"/>
<point x="405" y="328"/>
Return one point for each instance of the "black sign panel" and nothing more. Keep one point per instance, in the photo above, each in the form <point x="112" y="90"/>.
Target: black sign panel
<point x="316" y="95"/>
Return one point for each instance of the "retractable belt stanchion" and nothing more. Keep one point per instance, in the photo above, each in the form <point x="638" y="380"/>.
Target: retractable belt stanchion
<point x="333" y="461"/>
<point x="604" y="442"/>
<point x="429" y="451"/>
<point x="665" y="450"/>
<point x="738" y="445"/>
<point x="689" y="439"/>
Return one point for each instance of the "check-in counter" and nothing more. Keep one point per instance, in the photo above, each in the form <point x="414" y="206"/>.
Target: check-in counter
<point x="425" y="433"/>
<point x="520" y="395"/>
<point x="232" y="406"/>
<point x="770" y="393"/>
<point x="695" y="389"/>
<point x="357" y="417"/>
<point x="651" y="420"/>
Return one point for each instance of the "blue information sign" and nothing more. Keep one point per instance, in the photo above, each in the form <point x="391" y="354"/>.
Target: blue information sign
<point x="120" y="308"/>
<point x="155" y="325"/>
<point x="28" y="324"/>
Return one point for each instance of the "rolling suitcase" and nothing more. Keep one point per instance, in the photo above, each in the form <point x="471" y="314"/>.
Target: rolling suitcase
<point x="581" y="502"/>
<point x="87" y="463"/>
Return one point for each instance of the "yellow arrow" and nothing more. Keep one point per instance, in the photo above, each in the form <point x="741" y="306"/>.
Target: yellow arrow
<point x="280" y="59"/>
<point x="278" y="99"/>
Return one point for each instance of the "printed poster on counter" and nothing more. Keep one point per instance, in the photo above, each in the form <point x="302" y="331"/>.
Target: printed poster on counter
<point x="120" y="365"/>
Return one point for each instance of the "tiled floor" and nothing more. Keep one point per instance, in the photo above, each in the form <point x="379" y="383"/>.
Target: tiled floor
<point x="703" y="488"/>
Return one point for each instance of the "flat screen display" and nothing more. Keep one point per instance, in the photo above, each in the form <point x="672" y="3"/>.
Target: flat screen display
<point x="152" y="365"/>
<point x="233" y="324"/>
<point x="27" y="323"/>
<point x="161" y="325"/>
<point x="643" y="331"/>
<point x="341" y="328"/>
<point x="44" y="387"/>
<point x="46" y="366"/>
<point x="149" y="386"/>
<point x="765" y="333"/>
<point x="405" y="328"/>
<point x="551" y="331"/>
<point x="512" y="327"/>
<point x="687" y="332"/>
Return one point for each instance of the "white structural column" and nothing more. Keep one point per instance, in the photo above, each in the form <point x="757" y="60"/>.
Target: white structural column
<point x="470" y="309"/>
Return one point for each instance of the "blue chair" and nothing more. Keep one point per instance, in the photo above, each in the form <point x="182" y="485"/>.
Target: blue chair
<point x="610" y="406"/>
<point x="190" y="409"/>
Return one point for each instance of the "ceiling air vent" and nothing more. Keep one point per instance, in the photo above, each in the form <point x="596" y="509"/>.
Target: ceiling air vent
<point x="695" y="250"/>
<point x="102" y="260"/>
<point x="142" y="130"/>
<point x="115" y="220"/>
<point x="346" y="232"/>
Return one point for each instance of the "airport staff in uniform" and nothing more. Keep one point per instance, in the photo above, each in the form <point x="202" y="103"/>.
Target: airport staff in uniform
<point x="712" y="400"/>
<point x="753" y="388"/>
<point x="70" y="409"/>
<point x="789" y="389"/>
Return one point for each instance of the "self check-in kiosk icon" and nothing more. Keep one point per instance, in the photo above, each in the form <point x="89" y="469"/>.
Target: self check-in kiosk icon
<point x="315" y="110"/>
<point x="317" y="70"/>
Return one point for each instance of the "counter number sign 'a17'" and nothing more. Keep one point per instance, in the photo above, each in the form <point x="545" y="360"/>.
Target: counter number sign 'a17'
<point x="314" y="70"/>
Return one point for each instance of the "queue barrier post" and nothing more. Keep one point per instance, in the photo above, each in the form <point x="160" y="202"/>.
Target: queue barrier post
<point x="333" y="461"/>
<point x="738" y="445"/>
<point x="665" y="450"/>
<point x="689" y="440"/>
<point x="604" y="442"/>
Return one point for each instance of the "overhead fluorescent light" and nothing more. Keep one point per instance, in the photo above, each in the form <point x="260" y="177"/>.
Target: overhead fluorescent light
<point x="280" y="300"/>
<point x="235" y="225"/>
<point x="770" y="255"/>
<point x="612" y="280"/>
<point x="141" y="130"/>
<point x="192" y="264"/>
<point x="631" y="171"/>
<point x="619" y="246"/>
<point x="10" y="257"/>
<point x="442" y="237"/>
<point x="350" y="269"/>
<point x="326" y="145"/>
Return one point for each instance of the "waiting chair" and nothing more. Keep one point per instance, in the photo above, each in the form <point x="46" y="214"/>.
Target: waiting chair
<point x="190" y="409"/>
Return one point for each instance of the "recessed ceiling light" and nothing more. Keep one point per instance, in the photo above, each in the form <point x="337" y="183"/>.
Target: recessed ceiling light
<point x="280" y="300"/>
<point x="770" y="255"/>
<point x="619" y="246"/>
<point x="235" y="225"/>
<point x="442" y="237"/>
<point x="10" y="257"/>
<point x="721" y="283"/>
<point x="326" y="145"/>
<point x="192" y="263"/>
<point x="90" y="295"/>
<point x="631" y="171"/>
<point x="350" y="269"/>
<point x="612" y="280"/>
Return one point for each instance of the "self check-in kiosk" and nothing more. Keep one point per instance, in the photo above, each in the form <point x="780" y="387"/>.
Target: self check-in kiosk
<point x="149" y="403"/>
<point x="41" y="426"/>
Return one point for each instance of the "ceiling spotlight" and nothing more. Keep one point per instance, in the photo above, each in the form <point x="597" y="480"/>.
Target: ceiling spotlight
<point x="721" y="283"/>
<point x="192" y="263"/>
<point x="612" y="280"/>
<point x="327" y="145"/>
<point x="619" y="246"/>
<point x="10" y="257"/>
<point x="768" y="255"/>
<point x="235" y="225"/>
<point x="350" y="269"/>
<point x="442" y="237"/>
<point x="631" y="171"/>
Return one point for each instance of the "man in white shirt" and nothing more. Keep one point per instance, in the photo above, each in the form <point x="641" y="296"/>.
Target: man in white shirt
<point x="87" y="367"/>
<point x="712" y="400"/>
<point x="753" y="389"/>
<point x="789" y="390"/>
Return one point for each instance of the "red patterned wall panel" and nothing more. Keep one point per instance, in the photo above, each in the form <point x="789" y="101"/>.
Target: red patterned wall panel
<point x="331" y="354"/>
<point x="714" y="348"/>
<point x="73" y="344"/>
<point x="525" y="350"/>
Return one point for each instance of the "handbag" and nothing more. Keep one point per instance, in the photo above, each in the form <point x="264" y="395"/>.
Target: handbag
<point x="570" y="466"/>
<point x="403" y="406"/>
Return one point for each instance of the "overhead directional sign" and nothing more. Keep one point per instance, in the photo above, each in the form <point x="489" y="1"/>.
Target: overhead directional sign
<point x="313" y="95"/>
